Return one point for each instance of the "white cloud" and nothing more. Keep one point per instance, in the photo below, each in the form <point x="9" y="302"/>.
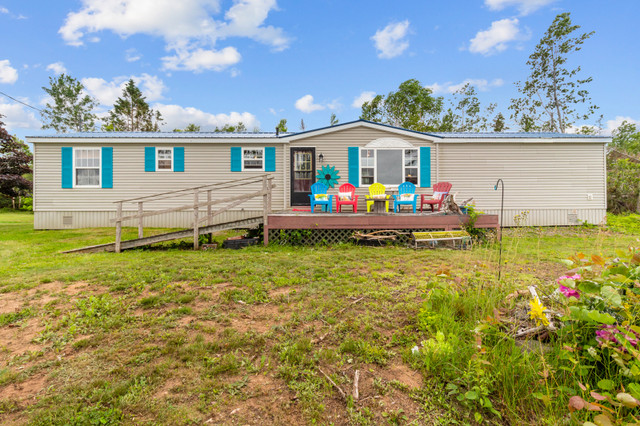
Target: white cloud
<point x="525" y="7"/>
<point x="362" y="98"/>
<point x="132" y="55"/>
<point x="390" y="41"/>
<point x="245" y="19"/>
<point x="107" y="92"/>
<point x="187" y="26"/>
<point x="306" y="105"/>
<point x="8" y="74"/>
<point x="497" y="37"/>
<point x="17" y="116"/>
<point x="4" y="10"/>
<point x="178" y="117"/>
<point x="199" y="60"/>
<point x="335" y="105"/>
<point x="57" y="68"/>
<point x="481" y="84"/>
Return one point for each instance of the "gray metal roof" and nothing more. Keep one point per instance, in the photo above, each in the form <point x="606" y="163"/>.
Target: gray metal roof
<point x="164" y="135"/>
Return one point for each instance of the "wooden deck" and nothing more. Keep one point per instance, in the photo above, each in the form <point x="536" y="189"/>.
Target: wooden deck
<point x="304" y="220"/>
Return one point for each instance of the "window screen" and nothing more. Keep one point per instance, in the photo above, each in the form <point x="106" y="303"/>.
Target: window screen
<point x="87" y="166"/>
<point x="389" y="166"/>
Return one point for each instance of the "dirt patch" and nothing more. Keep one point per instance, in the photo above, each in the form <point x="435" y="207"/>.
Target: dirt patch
<point x="42" y="294"/>
<point x="17" y="340"/>
<point x="403" y="374"/>
<point x="27" y="391"/>
<point x="268" y="401"/>
<point x="166" y="389"/>
<point x="259" y="318"/>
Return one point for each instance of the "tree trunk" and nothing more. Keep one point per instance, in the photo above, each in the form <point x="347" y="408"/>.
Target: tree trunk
<point x="13" y="202"/>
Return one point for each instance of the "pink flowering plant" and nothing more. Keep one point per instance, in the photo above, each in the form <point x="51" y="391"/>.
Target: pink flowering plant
<point x="600" y="331"/>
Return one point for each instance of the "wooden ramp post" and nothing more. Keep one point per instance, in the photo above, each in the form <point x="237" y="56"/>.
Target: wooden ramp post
<point x="265" y="209"/>
<point x="196" y="230"/>
<point x="140" y="213"/>
<point x="118" y="227"/>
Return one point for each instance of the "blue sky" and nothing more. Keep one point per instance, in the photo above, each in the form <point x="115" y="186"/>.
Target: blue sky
<point x="212" y="62"/>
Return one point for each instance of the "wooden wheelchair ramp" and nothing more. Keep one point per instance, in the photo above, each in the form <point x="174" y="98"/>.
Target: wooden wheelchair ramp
<point x="203" y="211"/>
<point x="168" y="236"/>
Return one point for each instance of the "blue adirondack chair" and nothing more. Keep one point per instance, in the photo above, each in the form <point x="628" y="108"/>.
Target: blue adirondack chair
<point x="319" y="197"/>
<point x="406" y="196"/>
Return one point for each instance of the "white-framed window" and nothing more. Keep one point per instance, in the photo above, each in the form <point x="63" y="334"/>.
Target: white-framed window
<point x="252" y="158"/>
<point x="164" y="159"/>
<point x="87" y="164"/>
<point x="389" y="166"/>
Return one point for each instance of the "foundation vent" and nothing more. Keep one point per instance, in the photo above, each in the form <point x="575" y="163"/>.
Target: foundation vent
<point x="67" y="220"/>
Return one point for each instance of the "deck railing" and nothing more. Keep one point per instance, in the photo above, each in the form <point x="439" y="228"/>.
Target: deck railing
<point x="265" y="192"/>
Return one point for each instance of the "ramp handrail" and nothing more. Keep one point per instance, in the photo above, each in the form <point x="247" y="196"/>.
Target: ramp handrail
<point x="265" y="192"/>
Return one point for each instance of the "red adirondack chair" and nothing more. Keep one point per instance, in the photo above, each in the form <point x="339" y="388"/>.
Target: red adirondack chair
<point x="440" y="190"/>
<point x="347" y="196"/>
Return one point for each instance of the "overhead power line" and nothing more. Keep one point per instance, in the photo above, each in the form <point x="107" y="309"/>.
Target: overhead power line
<point x="20" y="102"/>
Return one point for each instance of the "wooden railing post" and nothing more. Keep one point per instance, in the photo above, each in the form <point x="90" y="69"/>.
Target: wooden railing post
<point x="196" y="214"/>
<point x="209" y="209"/>
<point x="265" y="209"/>
<point x="209" y="214"/>
<point x="140" y="212"/>
<point x="118" y="226"/>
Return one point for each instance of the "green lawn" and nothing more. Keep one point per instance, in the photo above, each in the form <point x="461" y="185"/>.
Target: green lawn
<point x="173" y="336"/>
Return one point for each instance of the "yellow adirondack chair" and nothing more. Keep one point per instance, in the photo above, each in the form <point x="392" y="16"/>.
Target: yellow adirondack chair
<point x="375" y="190"/>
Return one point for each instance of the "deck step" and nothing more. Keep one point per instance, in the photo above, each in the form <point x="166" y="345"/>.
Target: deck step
<point x="168" y="236"/>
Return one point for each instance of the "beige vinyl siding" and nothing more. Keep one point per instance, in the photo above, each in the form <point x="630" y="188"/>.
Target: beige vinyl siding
<point x="204" y="164"/>
<point x="550" y="180"/>
<point x="334" y="147"/>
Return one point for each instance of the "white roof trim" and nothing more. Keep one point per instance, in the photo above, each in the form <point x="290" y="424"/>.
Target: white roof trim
<point x="346" y="126"/>
<point x="522" y="140"/>
<point x="389" y="143"/>
<point x="159" y="140"/>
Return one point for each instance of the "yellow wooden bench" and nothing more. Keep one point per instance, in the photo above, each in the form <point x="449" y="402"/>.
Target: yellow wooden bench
<point x="456" y="239"/>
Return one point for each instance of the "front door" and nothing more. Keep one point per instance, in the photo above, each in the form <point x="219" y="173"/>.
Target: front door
<point x="303" y="166"/>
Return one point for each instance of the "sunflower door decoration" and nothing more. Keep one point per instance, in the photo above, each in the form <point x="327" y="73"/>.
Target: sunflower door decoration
<point x="328" y="175"/>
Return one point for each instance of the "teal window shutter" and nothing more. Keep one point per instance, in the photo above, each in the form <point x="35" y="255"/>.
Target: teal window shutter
<point x="354" y="165"/>
<point x="67" y="167"/>
<point x="270" y="159"/>
<point x="236" y="159"/>
<point x="107" y="167"/>
<point x="425" y="167"/>
<point x="178" y="159"/>
<point x="149" y="158"/>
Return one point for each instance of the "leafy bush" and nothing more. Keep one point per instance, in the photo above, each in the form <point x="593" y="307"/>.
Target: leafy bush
<point x="623" y="186"/>
<point x="601" y="331"/>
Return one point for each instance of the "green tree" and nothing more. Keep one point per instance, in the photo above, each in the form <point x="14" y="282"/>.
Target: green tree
<point x="71" y="109"/>
<point x="228" y="128"/>
<point x="466" y="113"/>
<point x="498" y="124"/>
<point x="15" y="165"/>
<point x="626" y="138"/>
<point x="190" y="128"/>
<point x="553" y="97"/>
<point x="412" y="107"/>
<point x="132" y="113"/>
<point x="282" y="126"/>
<point x="333" y="120"/>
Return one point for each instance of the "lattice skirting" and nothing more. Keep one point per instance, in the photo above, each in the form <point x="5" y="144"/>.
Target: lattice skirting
<point x="334" y="236"/>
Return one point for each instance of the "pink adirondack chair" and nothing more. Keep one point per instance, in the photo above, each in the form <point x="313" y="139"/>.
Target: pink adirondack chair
<point x="347" y="197"/>
<point x="440" y="190"/>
